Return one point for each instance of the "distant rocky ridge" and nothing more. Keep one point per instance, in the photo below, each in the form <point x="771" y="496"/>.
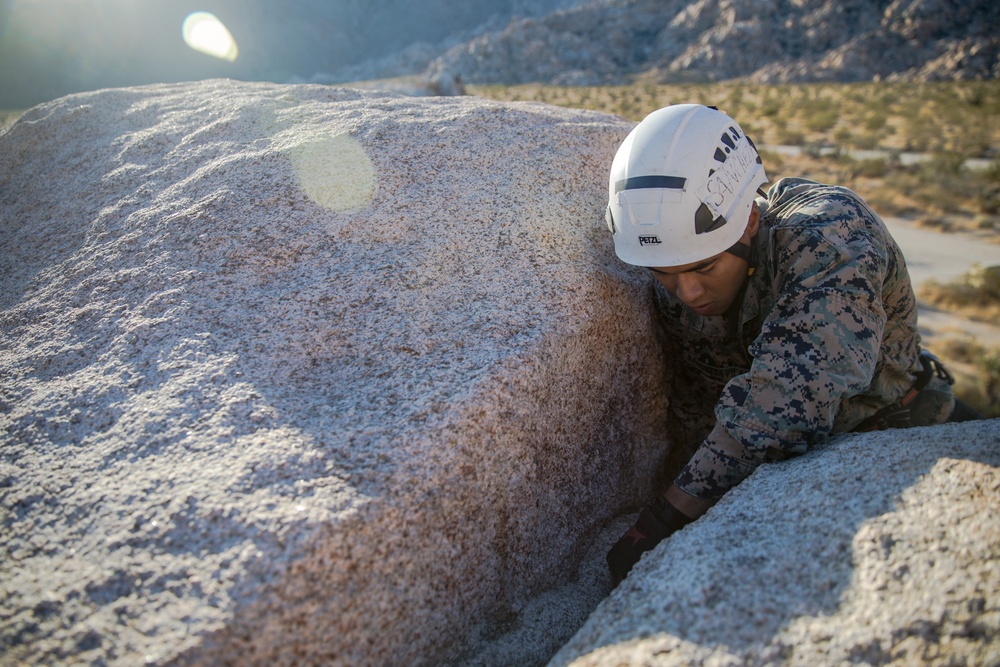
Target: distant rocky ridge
<point x="769" y="41"/>
<point x="51" y="48"/>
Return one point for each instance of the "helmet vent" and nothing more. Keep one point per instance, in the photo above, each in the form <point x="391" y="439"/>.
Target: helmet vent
<point x="705" y="222"/>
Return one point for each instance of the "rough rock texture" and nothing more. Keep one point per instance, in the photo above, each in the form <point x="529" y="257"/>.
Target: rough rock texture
<point x="300" y="375"/>
<point x="761" y="40"/>
<point x="876" y="549"/>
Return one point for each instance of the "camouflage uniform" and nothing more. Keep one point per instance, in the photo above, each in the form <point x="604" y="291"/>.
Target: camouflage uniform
<point x="823" y="335"/>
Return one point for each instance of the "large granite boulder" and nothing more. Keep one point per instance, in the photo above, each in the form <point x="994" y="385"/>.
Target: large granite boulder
<point x="293" y="375"/>
<point x="876" y="549"/>
<point x="301" y="375"/>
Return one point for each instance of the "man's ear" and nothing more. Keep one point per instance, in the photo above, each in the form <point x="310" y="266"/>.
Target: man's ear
<point x="753" y="224"/>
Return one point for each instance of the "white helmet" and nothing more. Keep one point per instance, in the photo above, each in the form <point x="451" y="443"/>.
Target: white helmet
<point x="681" y="188"/>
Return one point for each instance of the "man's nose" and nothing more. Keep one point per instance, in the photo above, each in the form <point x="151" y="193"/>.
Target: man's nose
<point x="689" y="288"/>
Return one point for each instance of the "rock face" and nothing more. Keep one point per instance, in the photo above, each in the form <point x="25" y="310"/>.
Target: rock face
<point x="877" y="549"/>
<point x="300" y="375"/>
<point x="292" y="375"/>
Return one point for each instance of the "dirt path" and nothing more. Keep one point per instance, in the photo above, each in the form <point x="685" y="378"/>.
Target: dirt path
<point x="945" y="257"/>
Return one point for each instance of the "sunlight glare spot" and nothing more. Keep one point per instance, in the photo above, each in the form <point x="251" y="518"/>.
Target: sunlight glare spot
<point x="205" y="33"/>
<point x="335" y="172"/>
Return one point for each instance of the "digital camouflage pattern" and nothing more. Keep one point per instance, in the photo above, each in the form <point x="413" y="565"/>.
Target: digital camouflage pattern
<point x="824" y="335"/>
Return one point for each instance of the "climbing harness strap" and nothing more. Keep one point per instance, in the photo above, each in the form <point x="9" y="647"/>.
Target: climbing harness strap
<point x="898" y="414"/>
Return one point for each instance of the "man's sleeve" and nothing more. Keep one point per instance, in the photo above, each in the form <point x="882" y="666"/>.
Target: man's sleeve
<point x="697" y="373"/>
<point x="818" y="346"/>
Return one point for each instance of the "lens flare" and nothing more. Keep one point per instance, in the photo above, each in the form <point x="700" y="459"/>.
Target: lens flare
<point x="335" y="172"/>
<point x="205" y="33"/>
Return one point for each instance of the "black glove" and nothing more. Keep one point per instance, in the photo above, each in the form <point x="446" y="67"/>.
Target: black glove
<point x="655" y="523"/>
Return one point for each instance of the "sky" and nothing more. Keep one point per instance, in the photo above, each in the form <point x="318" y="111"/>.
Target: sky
<point x="50" y="48"/>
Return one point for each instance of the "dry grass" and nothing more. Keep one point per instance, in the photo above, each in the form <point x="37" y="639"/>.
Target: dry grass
<point x="977" y="373"/>
<point x="958" y="117"/>
<point x="949" y="123"/>
<point x="7" y="117"/>
<point x="976" y="295"/>
<point x="976" y="367"/>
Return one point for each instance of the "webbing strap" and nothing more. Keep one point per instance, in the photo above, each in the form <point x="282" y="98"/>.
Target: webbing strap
<point x="897" y="415"/>
<point x="741" y="250"/>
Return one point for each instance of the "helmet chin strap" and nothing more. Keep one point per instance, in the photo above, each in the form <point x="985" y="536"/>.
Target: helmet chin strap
<point x="741" y="250"/>
<point x="745" y="252"/>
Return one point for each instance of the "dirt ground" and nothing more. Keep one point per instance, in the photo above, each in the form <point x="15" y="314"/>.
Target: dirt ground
<point x="946" y="256"/>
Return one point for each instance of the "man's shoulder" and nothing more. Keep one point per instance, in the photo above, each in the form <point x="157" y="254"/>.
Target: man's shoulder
<point x="799" y="202"/>
<point x="811" y="230"/>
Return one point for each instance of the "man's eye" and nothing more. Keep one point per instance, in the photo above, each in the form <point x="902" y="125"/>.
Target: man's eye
<point x="707" y="269"/>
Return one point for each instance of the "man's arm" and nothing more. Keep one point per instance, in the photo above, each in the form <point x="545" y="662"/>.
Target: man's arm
<point x="819" y="344"/>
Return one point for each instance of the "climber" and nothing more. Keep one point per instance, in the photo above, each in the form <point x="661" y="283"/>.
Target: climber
<point x="787" y="315"/>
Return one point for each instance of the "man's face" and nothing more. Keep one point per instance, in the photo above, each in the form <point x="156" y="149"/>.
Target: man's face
<point x="710" y="286"/>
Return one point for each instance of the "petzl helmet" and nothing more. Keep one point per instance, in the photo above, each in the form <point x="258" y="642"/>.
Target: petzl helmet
<point x="681" y="188"/>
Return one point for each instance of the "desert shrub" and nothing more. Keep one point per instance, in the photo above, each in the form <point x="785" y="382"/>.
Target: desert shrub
<point x="942" y="185"/>
<point x="976" y="294"/>
<point x="943" y="163"/>
<point x="735" y="99"/>
<point x="821" y="118"/>
<point x="954" y="120"/>
<point x="920" y="133"/>
<point x="938" y="223"/>
<point x="876" y="167"/>
<point x="787" y="137"/>
<point x="844" y="136"/>
<point x="987" y="196"/>
<point x="986" y="223"/>
<point x="773" y="162"/>
<point x="813" y="150"/>
<point x="875" y="120"/>
<point x="866" y="141"/>
<point x="8" y="117"/>
<point x="979" y="386"/>
<point x="769" y="107"/>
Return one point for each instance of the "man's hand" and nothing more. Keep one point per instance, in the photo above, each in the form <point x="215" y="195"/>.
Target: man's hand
<point x="655" y="523"/>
